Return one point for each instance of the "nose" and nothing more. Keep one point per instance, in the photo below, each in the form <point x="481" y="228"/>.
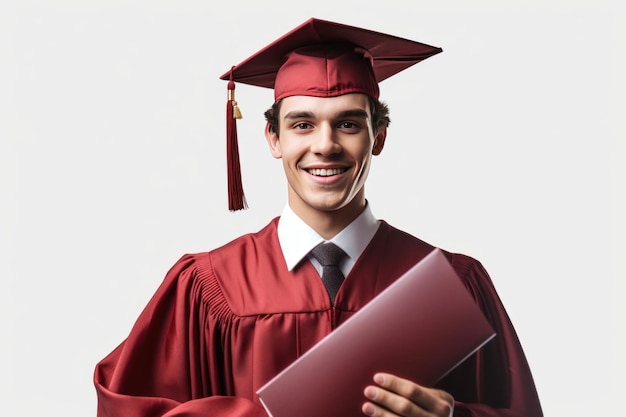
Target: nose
<point x="324" y="142"/>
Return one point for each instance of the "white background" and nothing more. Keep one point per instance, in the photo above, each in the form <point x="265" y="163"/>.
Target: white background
<point x="508" y="146"/>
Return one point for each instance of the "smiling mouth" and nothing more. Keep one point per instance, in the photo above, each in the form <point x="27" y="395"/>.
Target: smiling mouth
<point x="323" y="172"/>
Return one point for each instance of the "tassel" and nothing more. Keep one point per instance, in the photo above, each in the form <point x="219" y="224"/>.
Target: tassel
<point x="236" y="111"/>
<point x="236" y="198"/>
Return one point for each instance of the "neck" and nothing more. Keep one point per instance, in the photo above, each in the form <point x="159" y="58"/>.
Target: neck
<point x="327" y="223"/>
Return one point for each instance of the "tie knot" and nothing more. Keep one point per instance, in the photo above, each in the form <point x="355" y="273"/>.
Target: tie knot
<point x="328" y="254"/>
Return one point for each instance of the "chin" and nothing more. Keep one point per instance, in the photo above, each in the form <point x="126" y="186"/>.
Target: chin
<point x="329" y="206"/>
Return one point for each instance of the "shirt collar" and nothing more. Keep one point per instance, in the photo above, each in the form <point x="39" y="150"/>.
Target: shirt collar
<point x="297" y="238"/>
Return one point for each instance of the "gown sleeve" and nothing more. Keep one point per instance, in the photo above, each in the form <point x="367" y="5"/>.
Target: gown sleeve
<point x="496" y="381"/>
<point x="162" y="369"/>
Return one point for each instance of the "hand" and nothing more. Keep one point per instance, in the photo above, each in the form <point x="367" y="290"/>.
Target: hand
<point x="394" y="396"/>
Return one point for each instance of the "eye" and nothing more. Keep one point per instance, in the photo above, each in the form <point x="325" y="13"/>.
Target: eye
<point x="349" y="126"/>
<point x="301" y="126"/>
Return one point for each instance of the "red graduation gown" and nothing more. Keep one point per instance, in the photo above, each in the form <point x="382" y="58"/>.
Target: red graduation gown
<point x="223" y="323"/>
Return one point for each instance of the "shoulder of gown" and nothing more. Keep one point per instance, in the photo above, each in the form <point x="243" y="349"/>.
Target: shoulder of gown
<point x="248" y="276"/>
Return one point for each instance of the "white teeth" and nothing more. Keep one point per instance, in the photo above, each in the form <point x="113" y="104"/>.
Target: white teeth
<point x="322" y="172"/>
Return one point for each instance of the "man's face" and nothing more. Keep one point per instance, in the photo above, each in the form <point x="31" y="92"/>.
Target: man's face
<point x="326" y="145"/>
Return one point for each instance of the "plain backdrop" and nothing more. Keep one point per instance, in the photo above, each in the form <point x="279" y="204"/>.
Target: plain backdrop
<point x="508" y="146"/>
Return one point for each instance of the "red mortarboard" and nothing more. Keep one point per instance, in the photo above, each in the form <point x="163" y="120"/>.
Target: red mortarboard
<point x="320" y="59"/>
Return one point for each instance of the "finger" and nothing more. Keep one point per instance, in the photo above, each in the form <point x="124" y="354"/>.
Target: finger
<point x="385" y="403"/>
<point x="432" y="400"/>
<point x="403" y="388"/>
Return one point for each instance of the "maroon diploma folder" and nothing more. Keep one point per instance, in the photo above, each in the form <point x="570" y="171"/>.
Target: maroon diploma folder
<point x="420" y="328"/>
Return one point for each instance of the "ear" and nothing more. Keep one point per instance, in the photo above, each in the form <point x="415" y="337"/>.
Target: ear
<point x="273" y="141"/>
<point x="379" y="141"/>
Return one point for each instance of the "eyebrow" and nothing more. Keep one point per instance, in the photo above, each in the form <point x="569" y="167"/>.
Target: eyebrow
<point x="297" y="114"/>
<point x="359" y="113"/>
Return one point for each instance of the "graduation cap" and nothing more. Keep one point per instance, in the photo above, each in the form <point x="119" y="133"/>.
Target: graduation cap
<point x="320" y="59"/>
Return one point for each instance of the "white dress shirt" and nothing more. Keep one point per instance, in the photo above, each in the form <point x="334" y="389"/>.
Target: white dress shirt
<point x="297" y="239"/>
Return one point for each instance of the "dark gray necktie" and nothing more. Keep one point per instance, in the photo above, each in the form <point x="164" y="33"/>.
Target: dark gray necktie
<point x="330" y="256"/>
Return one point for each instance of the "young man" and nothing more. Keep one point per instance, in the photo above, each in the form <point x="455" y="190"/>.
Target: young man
<point x="225" y="322"/>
